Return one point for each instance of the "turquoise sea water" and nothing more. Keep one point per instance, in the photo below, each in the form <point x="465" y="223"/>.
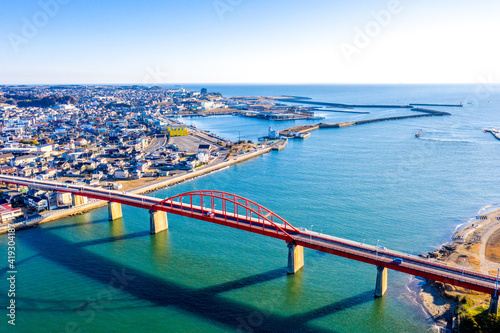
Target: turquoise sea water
<point x="366" y="183"/>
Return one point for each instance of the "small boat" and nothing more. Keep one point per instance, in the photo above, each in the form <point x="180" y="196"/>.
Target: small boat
<point x="494" y="131"/>
<point x="418" y="134"/>
<point x="302" y="135"/>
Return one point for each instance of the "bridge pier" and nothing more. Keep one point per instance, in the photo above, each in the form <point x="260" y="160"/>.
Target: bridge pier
<point x="381" y="284"/>
<point x="493" y="305"/>
<point x="295" y="258"/>
<point x="78" y="200"/>
<point x="157" y="221"/>
<point x="114" y="210"/>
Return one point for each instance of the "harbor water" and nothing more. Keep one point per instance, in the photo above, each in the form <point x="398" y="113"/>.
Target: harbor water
<point x="373" y="183"/>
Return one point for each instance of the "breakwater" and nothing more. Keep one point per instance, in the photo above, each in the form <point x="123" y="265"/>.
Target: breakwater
<point x="296" y="97"/>
<point x="343" y="111"/>
<point x="348" y="106"/>
<point x="444" y="105"/>
<point x="424" y="113"/>
<point x="341" y="105"/>
<point x="369" y="121"/>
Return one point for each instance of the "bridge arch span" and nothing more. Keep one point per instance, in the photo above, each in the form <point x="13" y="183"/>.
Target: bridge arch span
<point x="214" y="206"/>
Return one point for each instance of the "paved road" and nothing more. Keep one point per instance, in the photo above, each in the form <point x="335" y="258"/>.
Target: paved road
<point x="156" y="144"/>
<point x="242" y="217"/>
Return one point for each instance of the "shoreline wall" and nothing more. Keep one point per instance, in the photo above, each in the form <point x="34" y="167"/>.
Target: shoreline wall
<point x="141" y="190"/>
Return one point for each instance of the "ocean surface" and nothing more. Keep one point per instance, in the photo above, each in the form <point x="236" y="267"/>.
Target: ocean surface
<point x="370" y="183"/>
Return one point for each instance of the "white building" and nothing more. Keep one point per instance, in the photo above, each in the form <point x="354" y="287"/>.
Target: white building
<point x="45" y="148"/>
<point x="203" y="157"/>
<point x="272" y="134"/>
<point x="120" y="173"/>
<point x="64" y="199"/>
<point x="24" y="160"/>
<point x="8" y="214"/>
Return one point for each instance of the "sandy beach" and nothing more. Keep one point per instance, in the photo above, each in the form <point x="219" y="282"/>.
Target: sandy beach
<point x="475" y="246"/>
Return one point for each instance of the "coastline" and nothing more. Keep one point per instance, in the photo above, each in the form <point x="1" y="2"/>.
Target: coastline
<point x="95" y="204"/>
<point x="445" y="303"/>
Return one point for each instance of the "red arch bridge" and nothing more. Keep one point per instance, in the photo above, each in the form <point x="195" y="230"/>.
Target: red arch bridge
<point x="237" y="212"/>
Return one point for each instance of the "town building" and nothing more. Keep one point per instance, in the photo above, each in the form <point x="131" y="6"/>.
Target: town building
<point x="177" y="130"/>
<point x="9" y="214"/>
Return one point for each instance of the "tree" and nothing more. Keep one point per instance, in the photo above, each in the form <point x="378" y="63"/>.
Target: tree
<point x="469" y="325"/>
<point x="488" y="323"/>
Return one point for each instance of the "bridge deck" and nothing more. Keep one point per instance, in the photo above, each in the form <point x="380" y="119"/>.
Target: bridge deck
<point x="413" y="265"/>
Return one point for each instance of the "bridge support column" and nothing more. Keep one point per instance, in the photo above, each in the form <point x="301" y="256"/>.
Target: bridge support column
<point x="295" y="258"/>
<point x="493" y="304"/>
<point x="381" y="285"/>
<point x="157" y="221"/>
<point x="78" y="200"/>
<point x="114" y="210"/>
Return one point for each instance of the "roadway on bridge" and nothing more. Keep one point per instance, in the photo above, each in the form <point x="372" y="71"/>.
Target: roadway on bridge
<point x="258" y="223"/>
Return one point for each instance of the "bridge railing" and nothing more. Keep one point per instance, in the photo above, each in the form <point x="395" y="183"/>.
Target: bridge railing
<point x="401" y="254"/>
<point x="464" y="279"/>
<point x="230" y="205"/>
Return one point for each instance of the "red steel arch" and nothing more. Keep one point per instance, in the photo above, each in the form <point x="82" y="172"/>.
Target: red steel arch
<point x="232" y="207"/>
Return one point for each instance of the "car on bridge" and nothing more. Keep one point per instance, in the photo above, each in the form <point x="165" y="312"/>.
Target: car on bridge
<point x="398" y="260"/>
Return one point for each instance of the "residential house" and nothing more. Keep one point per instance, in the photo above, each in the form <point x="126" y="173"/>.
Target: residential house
<point x="26" y="172"/>
<point x="73" y="172"/>
<point x="51" y="172"/>
<point x="64" y="199"/>
<point x="203" y="157"/>
<point x="9" y="214"/>
<point x="15" y="198"/>
<point x="6" y="158"/>
<point x="36" y="203"/>
<point x="143" y="166"/>
<point x="121" y="173"/>
<point x="136" y="174"/>
<point x="24" y="160"/>
<point x="7" y="170"/>
<point x="97" y="175"/>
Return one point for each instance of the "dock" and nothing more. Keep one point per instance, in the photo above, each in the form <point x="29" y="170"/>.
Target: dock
<point x="280" y="144"/>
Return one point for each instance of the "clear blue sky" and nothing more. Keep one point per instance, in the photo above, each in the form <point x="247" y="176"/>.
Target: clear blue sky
<point x="249" y="41"/>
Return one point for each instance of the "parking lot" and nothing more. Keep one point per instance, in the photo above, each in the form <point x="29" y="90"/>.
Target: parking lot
<point x="189" y="143"/>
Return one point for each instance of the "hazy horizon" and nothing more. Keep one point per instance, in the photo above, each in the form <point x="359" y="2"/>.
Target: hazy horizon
<point x="243" y="42"/>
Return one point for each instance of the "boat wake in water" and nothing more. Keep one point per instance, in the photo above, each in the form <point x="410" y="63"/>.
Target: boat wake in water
<point x="444" y="140"/>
